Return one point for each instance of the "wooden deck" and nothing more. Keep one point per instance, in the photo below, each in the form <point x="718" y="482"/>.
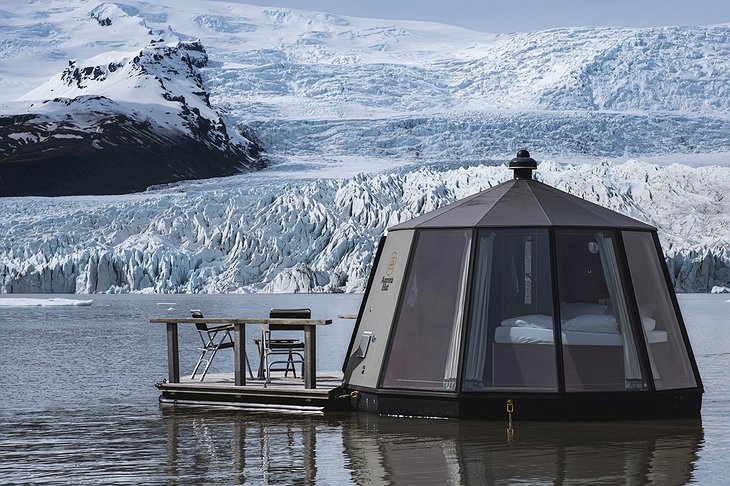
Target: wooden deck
<point x="239" y="337"/>
<point x="281" y="395"/>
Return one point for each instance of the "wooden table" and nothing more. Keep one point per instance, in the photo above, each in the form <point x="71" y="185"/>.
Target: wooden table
<point x="239" y="339"/>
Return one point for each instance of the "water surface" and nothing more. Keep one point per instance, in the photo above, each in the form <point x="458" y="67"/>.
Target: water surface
<point x="78" y="406"/>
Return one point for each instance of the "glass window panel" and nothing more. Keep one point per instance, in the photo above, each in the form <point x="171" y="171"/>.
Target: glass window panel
<point x="425" y="347"/>
<point x="599" y="346"/>
<point x="667" y="353"/>
<point x="510" y="338"/>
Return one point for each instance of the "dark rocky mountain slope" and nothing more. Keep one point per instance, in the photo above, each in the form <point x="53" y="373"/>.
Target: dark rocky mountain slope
<point x="120" y="126"/>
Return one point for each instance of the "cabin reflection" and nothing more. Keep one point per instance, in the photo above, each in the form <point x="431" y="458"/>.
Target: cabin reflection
<point x="368" y="449"/>
<point x="464" y="452"/>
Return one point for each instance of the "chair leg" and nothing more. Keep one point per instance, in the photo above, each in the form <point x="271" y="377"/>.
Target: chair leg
<point x="290" y="361"/>
<point x="267" y="370"/>
<point x="207" y="365"/>
<point x="260" y="350"/>
<point x="197" y="365"/>
<point x="248" y="365"/>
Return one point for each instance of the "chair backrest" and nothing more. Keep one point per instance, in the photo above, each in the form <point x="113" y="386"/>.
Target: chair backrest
<point x="197" y="314"/>
<point x="288" y="314"/>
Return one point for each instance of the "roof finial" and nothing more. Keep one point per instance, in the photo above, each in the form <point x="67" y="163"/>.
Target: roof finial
<point x="523" y="165"/>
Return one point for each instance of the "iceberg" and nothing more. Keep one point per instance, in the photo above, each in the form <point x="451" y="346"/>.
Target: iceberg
<point x="52" y="302"/>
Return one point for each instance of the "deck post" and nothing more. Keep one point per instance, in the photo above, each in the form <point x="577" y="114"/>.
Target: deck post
<point x="173" y="355"/>
<point x="239" y="353"/>
<point x="310" y="357"/>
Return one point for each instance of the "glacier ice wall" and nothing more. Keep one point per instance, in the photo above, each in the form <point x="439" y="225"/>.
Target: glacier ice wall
<point x="321" y="235"/>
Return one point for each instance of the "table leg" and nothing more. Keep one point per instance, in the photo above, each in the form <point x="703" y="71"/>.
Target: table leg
<point x="173" y="354"/>
<point x="239" y="352"/>
<point x="310" y="357"/>
<point x="260" y="348"/>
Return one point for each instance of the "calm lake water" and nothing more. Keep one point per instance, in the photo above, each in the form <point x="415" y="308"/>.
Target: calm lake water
<point x="78" y="406"/>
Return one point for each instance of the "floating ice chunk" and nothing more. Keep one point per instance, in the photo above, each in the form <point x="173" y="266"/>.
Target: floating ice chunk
<point x="718" y="289"/>
<point x="52" y="302"/>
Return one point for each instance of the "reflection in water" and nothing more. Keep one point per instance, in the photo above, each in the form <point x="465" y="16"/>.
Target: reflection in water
<point x="368" y="449"/>
<point x="463" y="452"/>
<point x="245" y="448"/>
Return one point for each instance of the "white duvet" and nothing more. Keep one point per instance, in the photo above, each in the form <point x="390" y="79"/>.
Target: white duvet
<point x="597" y="329"/>
<point x="581" y="323"/>
<point x="531" y="335"/>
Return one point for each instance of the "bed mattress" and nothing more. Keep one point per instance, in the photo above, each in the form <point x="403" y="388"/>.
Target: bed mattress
<point x="531" y="335"/>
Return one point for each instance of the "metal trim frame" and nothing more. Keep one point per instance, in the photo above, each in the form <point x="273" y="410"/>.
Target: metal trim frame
<point x="557" y="328"/>
<point x="467" y="307"/>
<point x="635" y="316"/>
<point x="396" y="317"/>
<point x="677" y="311"/>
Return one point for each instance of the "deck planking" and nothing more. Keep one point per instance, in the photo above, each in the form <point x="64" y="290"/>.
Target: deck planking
<point x="283" y="393"/>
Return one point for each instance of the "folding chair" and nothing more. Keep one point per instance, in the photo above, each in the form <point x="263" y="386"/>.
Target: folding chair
<point x="213" y="339"/>
<point x="289" y="351"/>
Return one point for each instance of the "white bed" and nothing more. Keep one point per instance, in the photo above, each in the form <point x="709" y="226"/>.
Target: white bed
<point x="531" y="335"/>
<point x="594" y="353"/>
<point x="582" y="325"/>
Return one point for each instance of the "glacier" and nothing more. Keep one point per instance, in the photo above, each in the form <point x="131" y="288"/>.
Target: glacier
<point x="321" y="235"/>
<point x="367" y="123"/>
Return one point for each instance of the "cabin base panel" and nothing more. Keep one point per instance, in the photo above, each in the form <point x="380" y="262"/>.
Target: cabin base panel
<point x="577" y="406"/>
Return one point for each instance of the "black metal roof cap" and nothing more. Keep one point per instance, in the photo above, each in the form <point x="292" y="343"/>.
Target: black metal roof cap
<point x="522" y="202"/>
<point x="523" y="165"/>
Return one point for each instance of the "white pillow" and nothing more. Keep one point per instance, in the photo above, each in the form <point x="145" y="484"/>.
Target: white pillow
<point x="575" y="309"/>
<point x="648" y="323"/>
<point x="592" y="323"/>
<point x="537" y="321"/>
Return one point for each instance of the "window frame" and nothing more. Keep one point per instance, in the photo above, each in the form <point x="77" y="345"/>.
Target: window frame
<point x="466" y="328"/>
<point x="626" y="285"/>
<point x="418" y="232"/>
<point x="664" y="270"/>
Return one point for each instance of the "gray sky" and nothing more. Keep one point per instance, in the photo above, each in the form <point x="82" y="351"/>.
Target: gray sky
<point x="525" y="15"/>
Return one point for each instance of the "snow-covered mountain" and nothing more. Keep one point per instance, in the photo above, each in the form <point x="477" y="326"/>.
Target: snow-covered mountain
<point x="426" y="113"/>
<point x="120" y="122"/>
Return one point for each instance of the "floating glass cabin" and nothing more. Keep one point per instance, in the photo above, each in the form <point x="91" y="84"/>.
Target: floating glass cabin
<point x="526" y="293"/>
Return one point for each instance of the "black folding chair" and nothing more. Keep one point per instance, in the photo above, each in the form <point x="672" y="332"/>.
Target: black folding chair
<point x="213" y="339"/>
<point x="289" y="351"/>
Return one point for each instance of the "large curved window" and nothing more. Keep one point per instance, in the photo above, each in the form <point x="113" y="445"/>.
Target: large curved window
<point x="600" y="351"/>
<point x="425" y="348"/>
<point x="510" y="340"/>
<point x="668" y="355"/>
